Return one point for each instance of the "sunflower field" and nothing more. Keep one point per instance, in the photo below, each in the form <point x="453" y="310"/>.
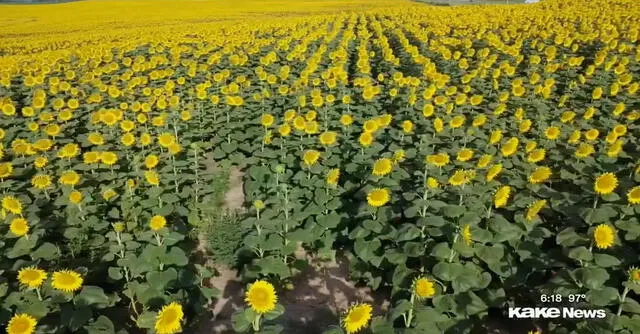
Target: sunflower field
<point x="464" y="159"/>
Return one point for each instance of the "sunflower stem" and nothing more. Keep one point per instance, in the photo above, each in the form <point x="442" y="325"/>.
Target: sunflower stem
<point x="409" y="317"/>
<point x="622" y="298"/>
<point x="256" y="322"/>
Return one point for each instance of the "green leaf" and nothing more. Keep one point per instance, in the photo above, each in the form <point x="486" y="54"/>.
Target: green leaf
<point x="407" y="232"/>
<point x="80" y="317"/>
<point x="92" y="296"/>
<point x="22" y="247"/>
<point x="402" y="306"/>
<point x="592" y="278"/>
<point x="115" y="273"/>
<point x="490" y="254"/>
<point x="441" y="251"/>
<point x="162" y="279"/>
<point x="447" y="271"/>
<point x="581" y="254"/>
<point x="277" y="311"/>
<point x="603" y="297"/>
<point x="47" y="251"/>
<point x="146" y="320"/>
<point x="630" y="305"/>
<point x="176" y="256"/>
<point x="471" y="302"/>
<point x="568" y="237"/>
<point x="444" y="303"/>
<point x="379" y="325"/>
<point x="606" y="260"/>
<point x="453" y="211"/>
<point x="366" y="249"/>
<point x="102" y="325"/>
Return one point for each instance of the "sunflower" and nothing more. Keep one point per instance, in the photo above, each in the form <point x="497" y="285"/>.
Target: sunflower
<point x="357" y="318"/>
<point x="310" y="157"/>
<point x="484" y="160"/>
<point x="620" y="130"/>
<point x="592" y="134"/>
<point x="399" y="155"/>
<point x="584" y="150"/>
<point x="432" y="183"/>
<point x="457" y="121"/>
<point x="70" y="178"/>
<point x="328" y="138"/>
<point x="21" y="323"/>
<point x="493" y="172"/>
<point x="261" y="297"/>
<point x="151" y="161"/>
<point x="284" y="130"/>
<point x="31" y="277"/>
<point x="633" y="196"/>
<point x="69" y="151"/>
<point x="19" y="227"/>
<point x="370" y="126"/>
<point x="534" y="209"/>
<point x="604" y="236"/>
<point x="382" y="167"/>
<point x="267" y="120"/>
<point x="6" y="169"/>
<point x="605" y="184"/>
<point x="378" y="197"/>
<point x="424" y="288"/>
<point x="510" y="147"/>
<point x="634" y="274"/>
<point x="407" y="126"/>
<point x="502" y="196"/>
<point x="438" y="160"/>
<point x="365" y="139"/>
<point x="459" y="178"/>
<point x="495" y="136"/>
<point x="466" y="234"/>
<point x="465" y="154"/>
<point x="12" y="204"/>
<point x="540" y="175"/>
<point x="332" y="177"/>
<point x="346" y="120"/>
<point x="157" y="222"/>
<point x="152" y="178"/>
<point x="91" y="157"/>
<point x="41" y="181"/>
<point x="66" y="280"/>
<point x="108" y="158"/>
<point x="168" y="320"/>
<point x="166" y="139"/>
<point x="530" y="146"/>
<point x="109" y="194"/>
<point x="552" y="132"/>
<point x="536" y="155"/>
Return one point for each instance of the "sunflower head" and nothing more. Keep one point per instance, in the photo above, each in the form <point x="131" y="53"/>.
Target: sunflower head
<point x="21" y="324"/>
<point x="310" y="157"/>
<point x="261" y="297"/>
<point x="604" y="236"/>
<point x="633" y="196"/>
<point x="31" y="277"/>
<point x="502" y="196"/>
<point x="424" y="287"/>
<point x="169" y="319"/>
<point x="66" y="280"/>
<point x="378" y="197"/>
<point x="157" y="223"/>
<point x="382" y="167"/>
<point x="605" y="183"/>
<point x="634" y="274"/>
<point x="356" y="318"/>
